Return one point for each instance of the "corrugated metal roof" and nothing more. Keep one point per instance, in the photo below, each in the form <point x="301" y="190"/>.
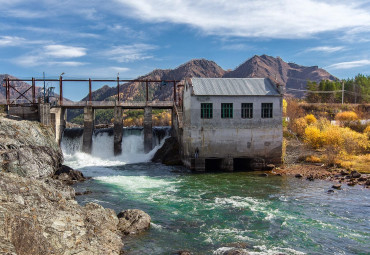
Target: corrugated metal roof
<point x="233" y="87"/>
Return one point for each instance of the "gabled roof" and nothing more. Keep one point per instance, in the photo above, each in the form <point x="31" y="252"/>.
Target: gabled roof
<point x="233" y="87"/>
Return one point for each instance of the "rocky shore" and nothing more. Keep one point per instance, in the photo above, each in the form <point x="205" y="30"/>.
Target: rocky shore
<point x="38" y="212"/>
<point x="312" y="172"/>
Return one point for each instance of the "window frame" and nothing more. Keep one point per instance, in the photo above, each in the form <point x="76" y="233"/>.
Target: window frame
<point x="247" y="111"/>
<point x="267" y="110"/>
<point x="206" y="110"/>
<point x="227" y="110"/>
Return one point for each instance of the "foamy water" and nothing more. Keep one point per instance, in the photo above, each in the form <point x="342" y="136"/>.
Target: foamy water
<point x="204" y="213"/>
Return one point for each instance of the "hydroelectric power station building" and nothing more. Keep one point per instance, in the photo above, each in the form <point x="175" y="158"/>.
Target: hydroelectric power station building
<point x="231" y="123"/>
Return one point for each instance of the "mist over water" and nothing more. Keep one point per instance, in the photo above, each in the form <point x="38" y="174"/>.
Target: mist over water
<point x="205" y="213"/>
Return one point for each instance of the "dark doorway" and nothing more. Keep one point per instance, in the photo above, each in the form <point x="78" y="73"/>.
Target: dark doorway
<point x="243" y="164"/>
<point x="213" y="164"/>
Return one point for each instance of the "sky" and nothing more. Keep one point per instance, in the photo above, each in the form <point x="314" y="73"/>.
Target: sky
<point x="104" y="38"/>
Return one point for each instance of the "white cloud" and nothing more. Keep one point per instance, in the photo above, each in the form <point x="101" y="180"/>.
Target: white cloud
<point x="254" y="18"/>
<point x="50" y="55"/>
<point x="129" y="53"/>
<point x="62" y="51"/>
<point x="11" y="40"/>
<point x="350" y="64"/>
<point x="66" y="63"/>
<point x="236" y="46"/>
<point x="326" y="49"/>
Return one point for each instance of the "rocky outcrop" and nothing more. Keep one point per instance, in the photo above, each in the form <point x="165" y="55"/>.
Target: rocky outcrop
<point x="28" y="148"/>
<point x="68" y="175"/>
<point x="169" y="153"/>
<point x="133" y="221"/>
<point x="42" y="217"/>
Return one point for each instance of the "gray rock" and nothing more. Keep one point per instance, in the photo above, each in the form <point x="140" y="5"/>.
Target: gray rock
<point x="336" y="186"/>
<point x="235" y="251"/>
<point x="28" y="148"/>
<point x="68" y="175"/>
<point x="298" y="176"/>
<point x="330" y="191"/>
<point x="184" y="252"/>
<point x="355" y="174"/>
<point x="49" y="221"/>
<point x="133" y="221"/>
<point x="343" y="172"/>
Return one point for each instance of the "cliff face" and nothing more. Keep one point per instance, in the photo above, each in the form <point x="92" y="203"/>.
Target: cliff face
<point x="41" y="217"/>
<point x="38" y="215"/>
<point x="28" y="148"/>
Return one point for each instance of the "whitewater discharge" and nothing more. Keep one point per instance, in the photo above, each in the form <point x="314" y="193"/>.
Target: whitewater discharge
<point x="102" y="154"/>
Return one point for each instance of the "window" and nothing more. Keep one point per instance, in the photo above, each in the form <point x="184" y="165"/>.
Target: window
<point x="266" y="110"/>
<point x="206" y="110"/>
<point x="226" y="110"/>
<point x="247" y="111"/>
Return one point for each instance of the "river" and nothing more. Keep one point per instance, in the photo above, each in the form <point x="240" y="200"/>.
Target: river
<point x="207" y="213"/>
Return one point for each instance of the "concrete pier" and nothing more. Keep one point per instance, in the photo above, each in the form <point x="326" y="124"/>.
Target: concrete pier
<point x="89" y="117"/>
<point x="118" y="130"/>
<point x="148" y="135"/>
<point x="44" y="114"/>
<point x="58" y="121"/>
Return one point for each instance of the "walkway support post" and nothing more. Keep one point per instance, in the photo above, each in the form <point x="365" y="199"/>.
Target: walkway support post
<point x="118" y="130"/>
<point x="148" y="135"/>
<point x="33" y="91"/>
<point x="60" y="90"/>
<point x="117" y="88"/>
<point x="89" y="116"/>
<point x="90" y="95"/>
<point x="8" y="90"/>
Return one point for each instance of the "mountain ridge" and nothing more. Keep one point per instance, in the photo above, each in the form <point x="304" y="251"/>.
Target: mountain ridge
<point x="291" y="75"/>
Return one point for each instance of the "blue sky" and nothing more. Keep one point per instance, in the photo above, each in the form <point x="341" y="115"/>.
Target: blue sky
<point x="98" y="38"/>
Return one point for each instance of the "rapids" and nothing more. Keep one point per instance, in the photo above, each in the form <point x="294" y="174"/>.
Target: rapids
<point x="206" y="213"/>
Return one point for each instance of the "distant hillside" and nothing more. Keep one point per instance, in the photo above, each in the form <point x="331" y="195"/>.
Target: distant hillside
<point x="289" y="74"/>
<point x="136" y="91"/>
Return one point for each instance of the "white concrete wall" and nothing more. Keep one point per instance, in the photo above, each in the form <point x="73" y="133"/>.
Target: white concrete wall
<point x="235" y="137"/>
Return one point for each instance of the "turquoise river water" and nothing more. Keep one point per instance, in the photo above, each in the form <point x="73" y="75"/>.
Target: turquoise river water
<point x="206" y="213"/>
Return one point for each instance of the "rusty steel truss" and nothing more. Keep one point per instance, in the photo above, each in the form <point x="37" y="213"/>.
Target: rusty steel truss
<point x="8" y="85"/>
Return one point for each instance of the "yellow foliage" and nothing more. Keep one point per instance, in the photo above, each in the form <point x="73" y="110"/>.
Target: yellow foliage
<point x="310" y="119"/>
<point x="346" y="117"/>
<point x="322" y="123"/>
<point x="367" y="131"/>
<point x="313" y="137"/>
<point x="285" y="105"/>
<point x="356" y="162"/>
<point x="336" y="139"/>
<point x="299" y="126"/>
<point x="313" y="159"/>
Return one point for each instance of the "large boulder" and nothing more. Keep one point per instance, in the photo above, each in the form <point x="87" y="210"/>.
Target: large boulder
<point x="133" y="221"/>
<point x="28" y="148"/>
<point x="169" y="153"/>
<point x="68" y="175"/>
<point x="41" y="217"/>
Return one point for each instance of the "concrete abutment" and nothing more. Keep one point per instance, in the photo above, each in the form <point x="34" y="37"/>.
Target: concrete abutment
<point x="118" y="130"/>
<point x="89" y="118"/>
<point x="148" y="133"/>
